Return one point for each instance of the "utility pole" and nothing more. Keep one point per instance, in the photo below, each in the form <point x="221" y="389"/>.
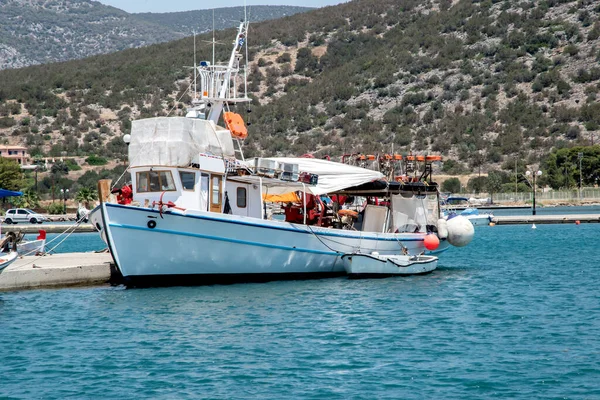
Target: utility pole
<point x="580" y="156"/>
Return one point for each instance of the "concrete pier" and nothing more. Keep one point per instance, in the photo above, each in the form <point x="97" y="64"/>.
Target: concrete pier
<point x="546" y="219"/>
<point x="49" y="228"/>
<point x="58" y="270"/>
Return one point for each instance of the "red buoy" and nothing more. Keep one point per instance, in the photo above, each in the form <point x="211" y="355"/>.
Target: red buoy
<point x="431" y="242"/>
<point x="577" y="222"/>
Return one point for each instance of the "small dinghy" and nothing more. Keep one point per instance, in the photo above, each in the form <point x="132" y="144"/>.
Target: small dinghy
<point x="374" y="265"/>
<point x="25" y="247"/>
<point x="7" y="258"/>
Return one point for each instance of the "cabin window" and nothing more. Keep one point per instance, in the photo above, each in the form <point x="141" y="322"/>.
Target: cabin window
<point x="216" y="190"/>
<point x="155" y="181"/>
<point x="241" y="197"/>
<point x="188" y="180"/>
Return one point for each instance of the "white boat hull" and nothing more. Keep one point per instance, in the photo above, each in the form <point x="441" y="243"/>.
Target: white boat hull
<point x="479" y="220"/>
<point x="368" y="265"/>
<point x="201" y="247"/>
<point x="31" y="248"/>
<point x="7" y="258"/>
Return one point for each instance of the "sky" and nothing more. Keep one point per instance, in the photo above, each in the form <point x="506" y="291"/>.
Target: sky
<point x="160" y="6"/>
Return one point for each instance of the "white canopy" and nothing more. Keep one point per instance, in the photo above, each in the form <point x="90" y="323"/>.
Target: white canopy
<point x="176" y="141"/>
<point x="333" y="176"/>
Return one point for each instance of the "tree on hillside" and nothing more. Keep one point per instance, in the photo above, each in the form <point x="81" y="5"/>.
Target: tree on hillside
<point x="562" y="167"/>
<point x="11" y="177"/>
<point x="476" y="184"/>
<point x="59" y="168"/>
<point x="493" y="183"/>
<point x="451" y="185"/>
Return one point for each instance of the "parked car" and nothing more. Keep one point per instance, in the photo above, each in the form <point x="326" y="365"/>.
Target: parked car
<point x="16" y="215"/>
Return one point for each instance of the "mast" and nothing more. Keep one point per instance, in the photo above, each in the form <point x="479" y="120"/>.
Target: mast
<point x="213" y="41"/>
<point x="223" y="78"/>
<point x="195" y="69"/>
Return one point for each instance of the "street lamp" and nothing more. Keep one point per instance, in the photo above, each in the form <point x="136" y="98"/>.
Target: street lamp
<point x="65" y="194"/>
<point x="580" y="157"/>
<point x="533" y="174"/>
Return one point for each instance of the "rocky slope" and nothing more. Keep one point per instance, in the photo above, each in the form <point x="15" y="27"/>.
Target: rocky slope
<point x="42" y="31"/>
<point x="485" y="84"/>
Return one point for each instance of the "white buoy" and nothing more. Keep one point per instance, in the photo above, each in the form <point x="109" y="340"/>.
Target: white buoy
<point x="533" y="226"/>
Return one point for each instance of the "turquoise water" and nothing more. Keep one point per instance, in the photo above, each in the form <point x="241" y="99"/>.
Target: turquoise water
<point x="516" y="315"/>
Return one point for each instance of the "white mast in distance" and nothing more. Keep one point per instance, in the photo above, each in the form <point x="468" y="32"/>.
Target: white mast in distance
<point x="213" y="41"/>
<point x="195" y="69"/>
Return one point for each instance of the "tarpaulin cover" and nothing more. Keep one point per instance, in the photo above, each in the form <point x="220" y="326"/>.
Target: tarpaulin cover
<point x="176" y="141"/>
<point x="333" y="176"/>
<point x="291" y="197"/>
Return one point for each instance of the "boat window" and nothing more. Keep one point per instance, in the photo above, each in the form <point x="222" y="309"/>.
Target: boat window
<point x="216" y="190"/>
<point x="166" y="180"/>
<point x="241" y="197"/>
<point x="204" y="186"/>
<point x="155" y="181"/>
<point x="188" y="179"/>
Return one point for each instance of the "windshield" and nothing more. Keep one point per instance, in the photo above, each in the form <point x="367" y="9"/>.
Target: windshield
<point x="29" y="211"/>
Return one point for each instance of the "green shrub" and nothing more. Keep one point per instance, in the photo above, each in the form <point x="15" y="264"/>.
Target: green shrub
<point x="451" y="185"/>
<point x="7" y="122"/>
<point x="72" y="164"/>
<point x="55" y="208"/>
<point x="96" y="160"/>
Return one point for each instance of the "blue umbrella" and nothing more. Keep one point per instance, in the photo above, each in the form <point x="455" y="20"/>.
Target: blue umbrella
<point x="8" y="193"/>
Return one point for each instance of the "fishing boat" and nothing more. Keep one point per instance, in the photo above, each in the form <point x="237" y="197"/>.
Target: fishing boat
<point x="464" y="207"/>
<point x="195" y="211"/>
<point x="375" y="265"/>
<point x="28" y="247"/>
<point x="33" y="247"/>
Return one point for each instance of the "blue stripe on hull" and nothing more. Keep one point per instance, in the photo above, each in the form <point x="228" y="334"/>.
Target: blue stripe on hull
<point x="281" y="228"/>
<point x="223" y="239"/>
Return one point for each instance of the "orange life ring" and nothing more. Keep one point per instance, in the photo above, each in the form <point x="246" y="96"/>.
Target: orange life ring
<point x="235" y="124"/>
<point x="350" y="213"/>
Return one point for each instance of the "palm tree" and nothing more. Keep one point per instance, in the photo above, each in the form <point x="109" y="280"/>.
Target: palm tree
<point x="86" y="196"/>
<point x="29" y="199"/>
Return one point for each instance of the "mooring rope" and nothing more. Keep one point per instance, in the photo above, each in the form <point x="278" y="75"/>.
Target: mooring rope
<point x="72" y="227"/>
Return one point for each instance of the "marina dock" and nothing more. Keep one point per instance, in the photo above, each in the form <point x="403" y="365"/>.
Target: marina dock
<point x="59" y="270"/>
<point x="546" y="219"/>
<point x="49" y="228"/>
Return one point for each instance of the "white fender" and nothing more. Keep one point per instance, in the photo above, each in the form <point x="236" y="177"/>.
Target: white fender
<point x="442" y="228"/>
<point x="460" y="231"/>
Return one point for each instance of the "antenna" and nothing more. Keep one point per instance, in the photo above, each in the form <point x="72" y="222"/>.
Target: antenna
<point x="213" y="41"/>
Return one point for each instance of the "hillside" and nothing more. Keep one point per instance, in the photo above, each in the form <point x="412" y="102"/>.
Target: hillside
<point x="486" y="84"/>
<point x="42" y="31"/>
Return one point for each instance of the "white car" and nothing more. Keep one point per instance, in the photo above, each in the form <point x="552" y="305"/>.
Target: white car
<point x="16" y="215"/>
